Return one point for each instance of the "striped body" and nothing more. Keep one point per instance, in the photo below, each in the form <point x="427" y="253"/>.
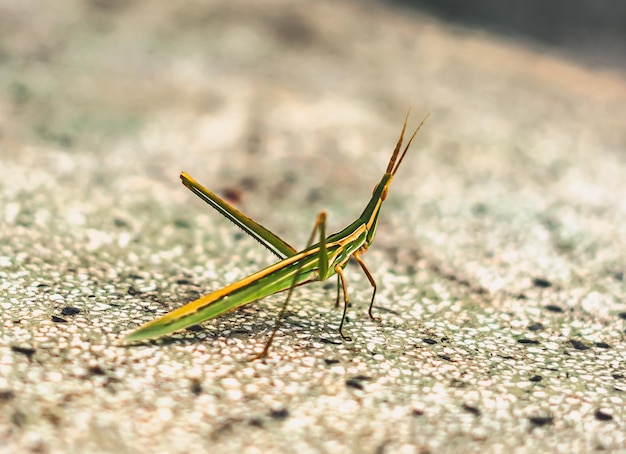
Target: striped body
<point x="273" y="279"/>
<point x="316" y="262"/>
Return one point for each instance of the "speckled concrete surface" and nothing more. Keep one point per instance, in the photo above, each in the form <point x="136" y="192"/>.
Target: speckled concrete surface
<point x="500" y="257"/>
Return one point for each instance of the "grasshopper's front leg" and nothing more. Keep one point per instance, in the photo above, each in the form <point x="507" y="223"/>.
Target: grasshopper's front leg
<point x="342" y="278"/>
<point x="370" y="278"/>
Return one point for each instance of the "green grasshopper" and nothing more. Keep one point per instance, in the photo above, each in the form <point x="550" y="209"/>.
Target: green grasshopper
<point x="317" y="262"/>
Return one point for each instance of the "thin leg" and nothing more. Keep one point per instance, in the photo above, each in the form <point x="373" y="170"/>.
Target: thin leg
<point x="320" y="224"/>
<point x="359" y="260"/>
<point x="339" y="272"/>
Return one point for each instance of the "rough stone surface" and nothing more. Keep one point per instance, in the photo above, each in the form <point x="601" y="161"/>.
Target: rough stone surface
<point x="500" y="257"/>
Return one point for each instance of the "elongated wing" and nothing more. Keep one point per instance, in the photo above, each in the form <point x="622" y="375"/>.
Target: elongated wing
<point x="273" y="279"/>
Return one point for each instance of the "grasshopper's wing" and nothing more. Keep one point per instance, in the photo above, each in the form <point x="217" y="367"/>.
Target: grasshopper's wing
<point x="285" y="274"/>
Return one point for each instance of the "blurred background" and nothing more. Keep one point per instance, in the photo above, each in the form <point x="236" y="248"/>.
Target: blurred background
<point x="509" y="213"/>
<point x="591" y="31"/>
<point x="96" y="67"/>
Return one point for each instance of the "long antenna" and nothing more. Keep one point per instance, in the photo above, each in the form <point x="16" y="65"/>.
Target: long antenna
<point x="409" y="143"/>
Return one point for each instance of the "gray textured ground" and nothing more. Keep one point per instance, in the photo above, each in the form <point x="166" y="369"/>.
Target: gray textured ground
<point x="500" y="257"/>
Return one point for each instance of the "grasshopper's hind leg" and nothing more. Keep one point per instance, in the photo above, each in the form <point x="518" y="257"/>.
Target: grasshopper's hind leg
<point x="320" y="225"/>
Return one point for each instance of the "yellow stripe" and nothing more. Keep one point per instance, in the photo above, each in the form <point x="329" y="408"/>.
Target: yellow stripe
<point x="371" y="219"/>
<point x="195" y="306"/>
<point x="345" y="241"/>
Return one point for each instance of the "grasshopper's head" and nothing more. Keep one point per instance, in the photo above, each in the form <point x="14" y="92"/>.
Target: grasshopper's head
<point x="370" y="214"/>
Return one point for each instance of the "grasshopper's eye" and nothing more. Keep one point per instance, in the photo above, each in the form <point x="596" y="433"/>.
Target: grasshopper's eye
<point x="383" y="196"/>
